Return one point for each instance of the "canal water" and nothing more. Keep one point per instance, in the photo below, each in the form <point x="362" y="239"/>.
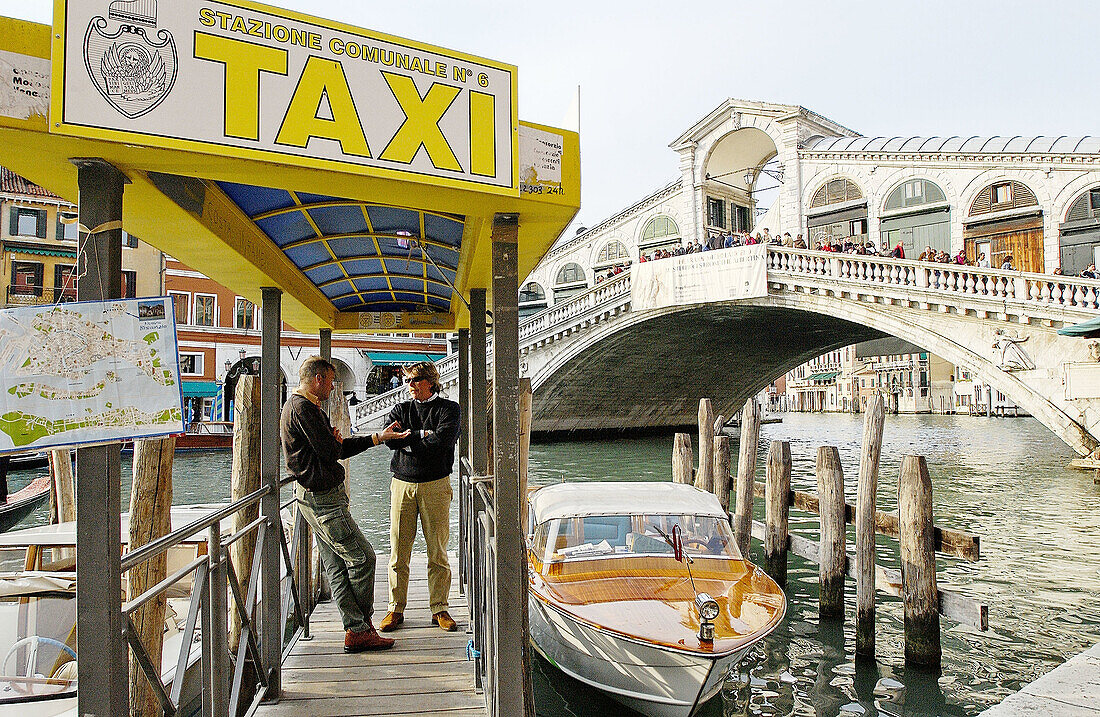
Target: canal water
<point x="1002" y="479"/>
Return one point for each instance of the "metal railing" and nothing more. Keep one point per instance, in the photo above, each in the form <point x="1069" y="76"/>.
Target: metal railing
<point x="477" y="555"/>
<point x="214" y="583"/>
<point x="30" y="295"/>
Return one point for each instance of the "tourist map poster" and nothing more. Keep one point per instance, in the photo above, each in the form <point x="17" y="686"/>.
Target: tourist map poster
<point x="718" y="275"/>
<point x="88" y="372"/>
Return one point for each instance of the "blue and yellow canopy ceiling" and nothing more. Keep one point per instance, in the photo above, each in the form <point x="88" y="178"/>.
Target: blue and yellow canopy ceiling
<point x="353" y="248"/>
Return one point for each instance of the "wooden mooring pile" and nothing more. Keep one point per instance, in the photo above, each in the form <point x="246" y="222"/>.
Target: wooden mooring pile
<point x="912" y="526"/>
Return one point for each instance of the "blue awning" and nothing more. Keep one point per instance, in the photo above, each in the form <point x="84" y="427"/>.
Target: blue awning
<point x="396" y="358"/>
<point x="200" y="389"/>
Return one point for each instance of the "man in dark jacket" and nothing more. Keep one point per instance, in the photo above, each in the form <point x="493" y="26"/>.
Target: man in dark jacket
<point x="421" y="486"/>
<point x="313" y="449"/>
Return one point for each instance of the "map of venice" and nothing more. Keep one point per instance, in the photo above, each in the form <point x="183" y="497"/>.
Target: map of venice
<point x="88" y="372"/>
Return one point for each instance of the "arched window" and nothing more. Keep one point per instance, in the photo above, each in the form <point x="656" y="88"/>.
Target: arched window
<point x="612" y="252"/>
<point x="1086" y="206"/>
<point x="914" y="193"/>
<point x="1015" y="236"/>
<point x="835" y="191"/>
<point x="1002" y="195"/>
<point x="532" y="299"/>
<point x="571" y="273"/>
<point x="915" y="216"/>
<point x="1079" y="234"/>
<point x="531" y="292"/>
<point x="660" y="227"/>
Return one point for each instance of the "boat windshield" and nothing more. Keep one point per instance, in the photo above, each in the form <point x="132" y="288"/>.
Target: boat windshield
<point x="37" y="644"/>
<point x="620" y="535"/>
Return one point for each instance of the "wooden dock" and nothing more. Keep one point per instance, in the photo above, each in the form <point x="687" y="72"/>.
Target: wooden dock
<point x="1069" y="689"/>
<point x="426" y="672"/>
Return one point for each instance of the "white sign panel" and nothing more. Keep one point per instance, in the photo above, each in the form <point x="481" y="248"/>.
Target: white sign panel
<point x="24" y="85"/>
<point x="255" y="81"/>
<point x="88" y="372"/>
<point x="540" y="154"/>
<point x="719" y="275"/>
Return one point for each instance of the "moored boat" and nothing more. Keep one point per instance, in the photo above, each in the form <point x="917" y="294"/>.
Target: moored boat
<point x="638" y="590"/>
<point x="23" y="502"/>
<point x="38" y="641"/>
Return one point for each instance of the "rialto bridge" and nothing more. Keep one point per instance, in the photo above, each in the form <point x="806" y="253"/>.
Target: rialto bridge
<point x="597" y="365"/>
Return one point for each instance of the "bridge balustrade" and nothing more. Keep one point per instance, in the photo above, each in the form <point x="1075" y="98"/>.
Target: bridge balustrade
<point x="1046" y="290"/>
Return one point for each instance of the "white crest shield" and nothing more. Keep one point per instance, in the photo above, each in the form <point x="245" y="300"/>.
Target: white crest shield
<point x="133" y="72"/>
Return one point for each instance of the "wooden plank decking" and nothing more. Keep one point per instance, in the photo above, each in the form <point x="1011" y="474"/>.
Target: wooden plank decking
<point x="1072" y="688"/>
<point x="426" y="672"/>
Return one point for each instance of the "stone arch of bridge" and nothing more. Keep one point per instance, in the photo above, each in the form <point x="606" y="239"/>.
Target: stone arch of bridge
<point x="734" y="152"/>
<point x="648" y="370"/>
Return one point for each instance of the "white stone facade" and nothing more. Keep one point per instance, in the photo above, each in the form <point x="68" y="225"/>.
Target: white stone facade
<point x="810" y="150"/>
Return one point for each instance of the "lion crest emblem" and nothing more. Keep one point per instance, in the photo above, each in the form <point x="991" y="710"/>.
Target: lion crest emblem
<point x="132" y="71"/>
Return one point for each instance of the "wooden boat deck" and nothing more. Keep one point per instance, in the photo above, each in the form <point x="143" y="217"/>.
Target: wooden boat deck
<point x="426" y="672"/>
<point x="1072" y="688"/>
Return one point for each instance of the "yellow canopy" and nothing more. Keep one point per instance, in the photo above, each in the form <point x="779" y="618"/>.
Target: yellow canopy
<point x="354" y="246"/>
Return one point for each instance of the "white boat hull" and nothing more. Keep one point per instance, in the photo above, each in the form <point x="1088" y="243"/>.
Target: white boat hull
<point x="648" y="679"/>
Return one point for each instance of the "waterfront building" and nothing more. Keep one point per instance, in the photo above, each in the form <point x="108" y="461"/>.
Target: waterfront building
<point x="38" y="236"/>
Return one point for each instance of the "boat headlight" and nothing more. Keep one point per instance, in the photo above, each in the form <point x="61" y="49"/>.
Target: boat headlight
<point x="707" y="607"/>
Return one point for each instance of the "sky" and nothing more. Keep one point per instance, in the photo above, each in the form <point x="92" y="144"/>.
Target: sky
<point x="649" y="70"/>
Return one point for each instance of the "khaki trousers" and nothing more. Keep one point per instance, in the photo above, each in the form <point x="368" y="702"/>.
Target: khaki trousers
<point x="431" y="501"/>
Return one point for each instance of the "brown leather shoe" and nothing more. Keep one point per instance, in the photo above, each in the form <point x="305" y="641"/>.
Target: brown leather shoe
<point x="391" y="621"/>
<point x="368" y="639"/>
<point x="445" y="621"/>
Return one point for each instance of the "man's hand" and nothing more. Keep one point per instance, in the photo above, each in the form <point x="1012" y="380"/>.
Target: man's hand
<point x="337" y="435"/>
<point x="392" y="432"/>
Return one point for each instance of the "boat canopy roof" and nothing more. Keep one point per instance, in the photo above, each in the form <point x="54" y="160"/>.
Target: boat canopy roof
<point x="64" y="534"/>
<point x="577" y="500"/>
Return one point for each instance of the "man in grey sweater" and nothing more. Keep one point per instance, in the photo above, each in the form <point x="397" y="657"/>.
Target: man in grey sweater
<point x="313" y="448"/>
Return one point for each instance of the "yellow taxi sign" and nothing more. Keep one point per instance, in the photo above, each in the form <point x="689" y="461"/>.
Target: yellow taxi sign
<point x="257" y="82"/>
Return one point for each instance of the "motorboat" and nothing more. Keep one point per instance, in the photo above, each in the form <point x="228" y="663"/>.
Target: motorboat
<point x="638" y="589"/>
<point x="38" y="641"/>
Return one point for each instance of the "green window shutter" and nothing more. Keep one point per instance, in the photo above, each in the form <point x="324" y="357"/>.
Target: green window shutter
<point x="13" y="214"/>
<point x="41" y="224"/>
<point x="60" y="227"/>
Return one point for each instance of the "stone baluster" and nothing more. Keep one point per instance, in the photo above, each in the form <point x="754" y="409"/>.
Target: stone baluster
<point x="1078" y="296"/>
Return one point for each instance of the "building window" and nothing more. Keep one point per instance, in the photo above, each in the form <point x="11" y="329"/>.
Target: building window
<point x="1094" y="199"/>
<point x="129" y="284"/>
<point x="64" y="283"/>
<point x="26" y="222"/>
<point x="26" y="278"/>
<point x="531" y="292"/>
<point x="716" y="212"/>
<point x="611" y="252"/>
<point x="68" y="226"/>
<point x="190" y="364"/>
<point x="1002" y="193"/>
<point x="571" y="273"/>
<point x="659" y="227"/>
<point x="204" y="309"/>
<point x="129" y="241"/>
<point x="182" y="305"/>
<point x="246" y="314"/>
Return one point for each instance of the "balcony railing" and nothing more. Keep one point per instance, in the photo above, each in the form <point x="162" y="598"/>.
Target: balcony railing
<point x="29" y="295"/>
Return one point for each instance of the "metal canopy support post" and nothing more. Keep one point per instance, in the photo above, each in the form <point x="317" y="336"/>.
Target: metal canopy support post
<point x="103" y="671"/>
<point x="271" y="635"/>
<point x="464" y="391"/>
<point x="463" y="451"/>
<point x="479" y="444"/>
<point x="513" y="690"/>
<point x="326" y="345"/>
